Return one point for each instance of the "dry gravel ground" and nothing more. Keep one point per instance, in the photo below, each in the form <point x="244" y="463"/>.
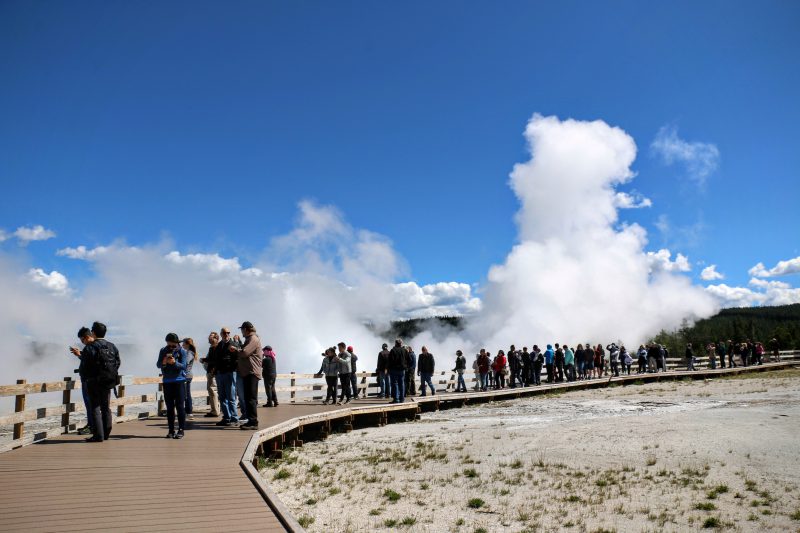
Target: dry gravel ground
<point x="683" y="456"/>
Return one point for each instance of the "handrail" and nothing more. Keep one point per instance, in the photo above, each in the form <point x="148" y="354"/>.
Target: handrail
<point x="148" y="404"/>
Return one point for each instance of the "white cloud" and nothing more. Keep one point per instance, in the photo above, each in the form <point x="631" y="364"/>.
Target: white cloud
<point x="36" y="233"/>
<point x="710" y="273"/>
<point x="438" y="299"/>
<point x="660" y="261"/>
<point x="623" y="200"/>
<point x="54" y="282"/>
<point x="213" y="262"/>
<point x="4" y="236"/>
<point x="700" y="159"/>
<point x="763" y="293"/>
<point x="82" y="252"/>
<point x="790" y="266"/>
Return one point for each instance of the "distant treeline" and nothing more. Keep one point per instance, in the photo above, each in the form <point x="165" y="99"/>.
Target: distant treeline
<point x="738" y="324"/>
<point x="759" y="324"/>
<point x="405" y="329"/>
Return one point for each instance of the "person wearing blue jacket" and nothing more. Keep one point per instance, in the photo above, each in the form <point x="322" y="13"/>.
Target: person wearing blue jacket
<point x="549" y="355"/>
<point x="172" y="360"/>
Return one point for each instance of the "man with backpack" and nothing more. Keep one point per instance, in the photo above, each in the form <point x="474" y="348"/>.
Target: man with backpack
<point x="100" y="368"/>
<point x="397" y="365"/>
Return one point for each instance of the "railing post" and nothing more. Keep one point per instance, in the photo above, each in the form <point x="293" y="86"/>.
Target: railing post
<point x="66" y="401"/>
<point x="161" y="407"/>
<point x="121" y="394"/>
<point x="291" y="384"/>
<point x="19" y="406"/>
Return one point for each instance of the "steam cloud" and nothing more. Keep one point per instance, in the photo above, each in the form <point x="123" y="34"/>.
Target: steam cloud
<point x="576" y="275"/>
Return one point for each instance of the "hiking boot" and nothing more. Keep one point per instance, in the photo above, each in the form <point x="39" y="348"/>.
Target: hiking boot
<point x="85" y="430"/>
<point x="224" y="423"/>
<point x="170" y="435"/>
<point x="94" y="439"/>
<point x="179" y="434"/>
<point x="249" y="426"/>
<point x="347" y="400"/>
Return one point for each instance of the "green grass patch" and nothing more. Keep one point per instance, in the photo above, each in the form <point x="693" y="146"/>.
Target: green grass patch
<point x="475" y="503"/>
<point x="705" y="506"/>
<point x="314" y="469"/>
<point x="712" y="522"/>
<point x="408" y="521"/>
<point x="305" y="520"/>
<point x="281" y="474"/>
<point x="470" y="473"/>
<point x="391" y="495"/>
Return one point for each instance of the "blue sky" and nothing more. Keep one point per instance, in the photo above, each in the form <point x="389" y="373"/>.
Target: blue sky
<point x="206" y="124"/>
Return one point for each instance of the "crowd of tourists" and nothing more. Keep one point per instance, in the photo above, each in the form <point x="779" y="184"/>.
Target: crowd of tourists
<point x="235" y="364"/>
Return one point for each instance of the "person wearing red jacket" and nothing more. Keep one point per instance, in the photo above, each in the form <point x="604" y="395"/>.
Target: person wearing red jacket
<point x="499" y="366"/>
<point x="483" y="369"/>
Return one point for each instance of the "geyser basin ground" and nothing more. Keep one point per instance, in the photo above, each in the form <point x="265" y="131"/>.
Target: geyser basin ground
<point x="655" y="457"/>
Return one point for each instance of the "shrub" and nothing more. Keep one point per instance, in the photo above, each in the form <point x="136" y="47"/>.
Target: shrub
<point x="391" y="495"/>
<point x="314" y="470"/>
<point x="282" y="474"/>
<point x="705" y="506"/>
<point x="470" y="473"/>
<point x="305" y="520"/>
<point x="475" y="503"/>
<point x="711" y="522"/>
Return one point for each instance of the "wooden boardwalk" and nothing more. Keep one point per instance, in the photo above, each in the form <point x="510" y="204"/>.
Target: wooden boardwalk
<point x="140" y="481"/>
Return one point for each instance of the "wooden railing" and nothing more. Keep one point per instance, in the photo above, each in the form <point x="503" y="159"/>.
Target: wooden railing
<point x="141" y="397"/>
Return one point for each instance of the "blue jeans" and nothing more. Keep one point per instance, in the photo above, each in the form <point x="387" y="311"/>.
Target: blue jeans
<point x="189" y="403"/>
<point x="240" y="395"/>
<point x="398" y="379"/>
<point x="426" y="378"/>
<point x="461" y="386"/>
<point x="383" y="385"/>
<point x="354" y="384"/>
<point x="226" y="388"/>
<point x="484" y="381"/>
<point x="87" y="403"/>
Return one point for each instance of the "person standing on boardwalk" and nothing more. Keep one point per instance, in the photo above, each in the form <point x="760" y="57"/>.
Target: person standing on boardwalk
<point x="538" y="361"/>
<point x="527" y="367"/>
<point x="211" y="382"/>
<point x="460" y="368"/>
<point x="720" y="349"/>
<point x="249" y="368"/>
<point x="191" y="352"/>
<point x="99" y="368"/>
<point x="549" y="356"/>
<point x="689" y="357"/>
<point x="558" y="360"/>
<point x="411" y="369"/>
<point x="625" y="359"/>
<point x="172" y="363"/>
<point x="354" y="373"/>
<point x="426" y="366"/>
<point x="398" y="363"/>
<point x="484" y="364"/>
<point x="269" y="370"/>
<point x="711" y="351"/>
<point x="774" y="350"/>
<point x="514" y="366"/>
<point x="344" y="373"/>
<point x="330" y="369"/>
<point x="225" y="364"/>
<point x="613" y="357"/>
<point x="569" y="363"/>
<point x="382" y="371"/>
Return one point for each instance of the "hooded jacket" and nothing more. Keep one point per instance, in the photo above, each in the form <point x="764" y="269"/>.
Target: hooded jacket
<point x="549" y="355"/>
<point x="268" y="364"/>
<point x="175" y="372"/>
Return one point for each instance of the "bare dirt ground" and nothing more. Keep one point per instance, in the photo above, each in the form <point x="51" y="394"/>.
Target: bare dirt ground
<point x="685" y="456"/>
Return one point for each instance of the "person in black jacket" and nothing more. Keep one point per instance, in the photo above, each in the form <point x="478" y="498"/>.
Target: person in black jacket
<point x="382" y="371"/>
<point x="397" y="364"/>
<point x="411" y="369"/>
<point x="461" y="367"/>
<point x="225" y="363"/>
<point x="99" y="367"/>
<point x="425" y="368"/>
<point x="269" y="372"/>
<point x="689" y="357"/>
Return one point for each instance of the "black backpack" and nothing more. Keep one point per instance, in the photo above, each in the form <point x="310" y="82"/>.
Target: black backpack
<point x="106" y="365"/>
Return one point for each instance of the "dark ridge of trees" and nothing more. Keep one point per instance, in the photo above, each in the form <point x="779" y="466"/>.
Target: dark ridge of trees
<point x="737" y="324"/>
<point x="759" y="324"/>
<point x="405" y="329"/>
